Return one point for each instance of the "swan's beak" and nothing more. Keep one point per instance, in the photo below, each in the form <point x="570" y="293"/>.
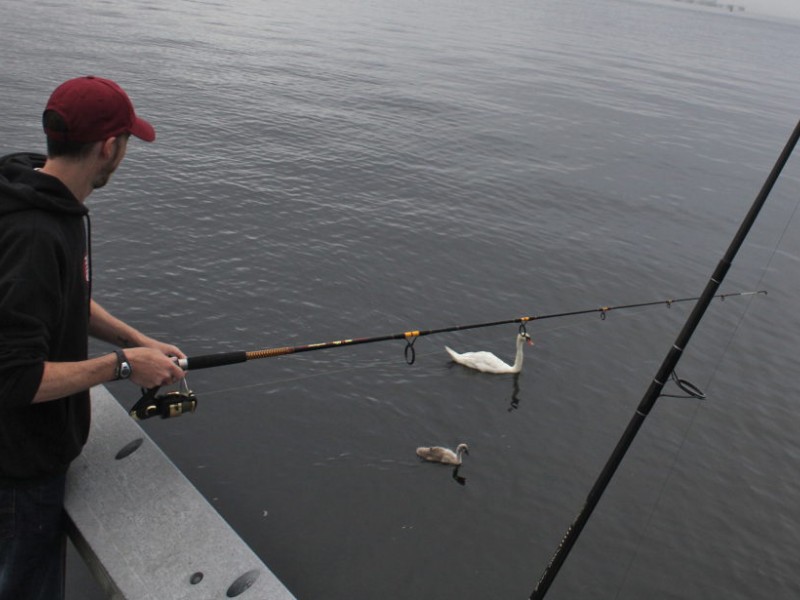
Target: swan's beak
<point x="530" y="341"/>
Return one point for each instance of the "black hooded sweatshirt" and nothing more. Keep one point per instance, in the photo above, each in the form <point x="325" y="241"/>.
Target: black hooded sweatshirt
<point x="44" y="316"/>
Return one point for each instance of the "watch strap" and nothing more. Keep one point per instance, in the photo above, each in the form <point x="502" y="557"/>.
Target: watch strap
<point x="122" y="361"/>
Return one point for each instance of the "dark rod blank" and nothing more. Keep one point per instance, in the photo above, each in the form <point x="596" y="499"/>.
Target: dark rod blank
<point x="207" y="361"/>
<point x="664" y="372"/>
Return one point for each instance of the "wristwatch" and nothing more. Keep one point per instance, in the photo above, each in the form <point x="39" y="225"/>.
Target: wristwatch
<point x="123" y="370"/>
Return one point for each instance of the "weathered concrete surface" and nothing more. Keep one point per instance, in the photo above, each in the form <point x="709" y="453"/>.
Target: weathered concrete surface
<point x="144" y="529"/>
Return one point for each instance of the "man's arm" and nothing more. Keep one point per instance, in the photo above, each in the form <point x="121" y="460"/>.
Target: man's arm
<point x="105" y="326"/>
<point x="152" y="362"/>
<point x="64" y="378"/>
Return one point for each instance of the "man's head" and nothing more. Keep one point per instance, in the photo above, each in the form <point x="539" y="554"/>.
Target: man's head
<point x="88" y="121"/>
<point x="86" y="110"/>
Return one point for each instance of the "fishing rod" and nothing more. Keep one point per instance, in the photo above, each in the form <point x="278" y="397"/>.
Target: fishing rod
<point x="664" y="372"/>
<point x="178" y="402"/>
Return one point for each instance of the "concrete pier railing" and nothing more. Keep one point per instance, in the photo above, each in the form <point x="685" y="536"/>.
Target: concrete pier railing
<point x="144" y="530"/>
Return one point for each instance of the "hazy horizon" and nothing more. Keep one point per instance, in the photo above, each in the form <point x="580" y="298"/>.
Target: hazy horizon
<point x="773" y="8"/>
<point x="779" y="9"/>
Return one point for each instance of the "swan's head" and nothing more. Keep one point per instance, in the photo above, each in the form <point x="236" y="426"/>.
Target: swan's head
<point x="462" y="448"/>
<point x="524" y="337"/>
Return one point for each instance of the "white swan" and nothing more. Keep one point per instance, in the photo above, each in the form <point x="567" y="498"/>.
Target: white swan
<point x="443" y="455"/>
<point x="486" y="362"/>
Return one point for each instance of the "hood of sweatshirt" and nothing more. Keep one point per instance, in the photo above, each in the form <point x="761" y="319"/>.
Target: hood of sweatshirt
<point x="22" y="187"/>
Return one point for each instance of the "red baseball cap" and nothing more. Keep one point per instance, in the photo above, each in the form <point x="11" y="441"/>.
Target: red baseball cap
<point x="95" y="109"/>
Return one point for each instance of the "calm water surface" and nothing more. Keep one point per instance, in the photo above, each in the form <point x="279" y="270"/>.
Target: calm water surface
<point x="334" y="170"/>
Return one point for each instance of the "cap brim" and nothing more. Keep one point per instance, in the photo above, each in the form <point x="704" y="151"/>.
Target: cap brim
<point x="143" y="130"/>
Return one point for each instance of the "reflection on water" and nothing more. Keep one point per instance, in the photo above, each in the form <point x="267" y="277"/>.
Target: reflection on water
<point x="515" y="394"/>
<point x="461" y="480"/>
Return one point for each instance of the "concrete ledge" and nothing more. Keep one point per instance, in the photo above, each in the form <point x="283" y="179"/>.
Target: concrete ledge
<point x="144" y="530"/>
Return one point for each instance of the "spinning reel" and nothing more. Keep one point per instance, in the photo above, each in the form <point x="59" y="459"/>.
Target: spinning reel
<point x="168" y="405"/>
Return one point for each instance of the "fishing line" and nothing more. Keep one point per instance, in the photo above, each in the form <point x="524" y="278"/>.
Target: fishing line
<point x="680" y="447"/>
<point x="277" y="382"/>
<point x="780" y="241"/>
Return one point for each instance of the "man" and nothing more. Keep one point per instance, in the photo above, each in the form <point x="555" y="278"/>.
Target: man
<point x="46" y="316"/>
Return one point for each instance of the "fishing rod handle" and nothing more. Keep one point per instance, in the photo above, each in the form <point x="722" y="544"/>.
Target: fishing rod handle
<point x="211" y="360"/>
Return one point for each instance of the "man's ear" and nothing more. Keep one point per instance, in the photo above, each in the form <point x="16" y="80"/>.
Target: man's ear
<point x="107" y="147"/>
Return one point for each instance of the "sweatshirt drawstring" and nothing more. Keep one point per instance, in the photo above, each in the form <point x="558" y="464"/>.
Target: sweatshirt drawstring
<point x="88" y="262"/>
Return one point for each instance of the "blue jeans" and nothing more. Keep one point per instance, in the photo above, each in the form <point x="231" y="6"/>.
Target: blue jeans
<point x="33" y="541"/>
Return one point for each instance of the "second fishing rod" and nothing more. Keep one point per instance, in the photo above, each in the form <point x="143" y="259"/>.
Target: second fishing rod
<point x="179" y="402"/>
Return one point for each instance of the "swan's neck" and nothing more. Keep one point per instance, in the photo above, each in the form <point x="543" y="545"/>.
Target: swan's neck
<point x="518" y="359"/>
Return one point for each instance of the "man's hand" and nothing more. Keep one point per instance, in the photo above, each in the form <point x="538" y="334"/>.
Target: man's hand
<point x="152" y="367"/>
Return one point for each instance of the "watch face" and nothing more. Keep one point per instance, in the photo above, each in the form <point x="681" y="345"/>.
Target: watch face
<point x="124" y="370"/>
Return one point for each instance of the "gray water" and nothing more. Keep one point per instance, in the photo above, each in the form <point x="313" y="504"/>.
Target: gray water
<point x="330" y="170"/>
